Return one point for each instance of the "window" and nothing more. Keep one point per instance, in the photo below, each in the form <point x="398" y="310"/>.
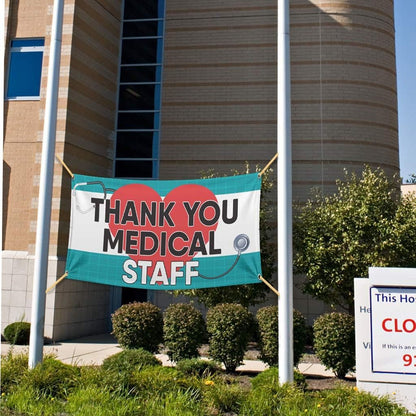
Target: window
<point x="25" y="69"/>
<point x="138" y="116"/>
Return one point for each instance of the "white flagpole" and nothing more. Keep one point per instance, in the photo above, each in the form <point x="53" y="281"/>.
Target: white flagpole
<point x="284" y="196"/>
<point x="45" y="190"/>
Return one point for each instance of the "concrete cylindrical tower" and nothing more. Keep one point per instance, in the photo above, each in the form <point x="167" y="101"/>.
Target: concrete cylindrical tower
<point x="344" y="102"/>
<point x="219" y="91"/>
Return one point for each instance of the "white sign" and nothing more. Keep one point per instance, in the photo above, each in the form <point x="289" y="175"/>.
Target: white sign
<point x="382" y="369"/>
<point x="393" y="330"/>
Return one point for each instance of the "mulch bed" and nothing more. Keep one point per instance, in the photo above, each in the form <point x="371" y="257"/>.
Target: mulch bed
<point x="316" y="383"/>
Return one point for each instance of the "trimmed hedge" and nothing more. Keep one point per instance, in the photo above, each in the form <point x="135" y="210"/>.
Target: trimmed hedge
<point x="183" y="330"/>
<point x="268" y="324"/>
<point x="138" y="325"/>
<point x="228" y="325"/>
<point x="334" y="335"/>
<point x="17" y="333"/>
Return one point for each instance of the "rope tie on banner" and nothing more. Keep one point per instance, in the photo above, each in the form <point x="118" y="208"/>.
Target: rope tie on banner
<point x="268" y="165"/>
<point x="64" y="165"/>
<point x="273" y="289"/>
<point x="57" y="282"/>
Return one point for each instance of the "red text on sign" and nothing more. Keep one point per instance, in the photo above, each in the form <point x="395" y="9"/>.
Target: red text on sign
<point x="396" y="325"/>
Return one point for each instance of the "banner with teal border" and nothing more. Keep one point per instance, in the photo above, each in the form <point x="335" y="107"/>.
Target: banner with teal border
<point x="165" y="235"/>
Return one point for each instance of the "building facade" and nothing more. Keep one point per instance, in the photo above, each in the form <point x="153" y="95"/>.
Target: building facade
<point x="169" y="88"/>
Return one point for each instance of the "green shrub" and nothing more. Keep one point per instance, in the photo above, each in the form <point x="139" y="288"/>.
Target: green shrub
<point x="116" y="372"/>
<point x="116" y="382"/>
<point x="197" y="367"/>
<point x="268" y="323"/>
<point x="224" y="398"/>
<point x="13" y="366"/>
<point x="17" y="333"/>
<point x="51" y="378"/>
<point x="138" y="325"/>
<point x="334" y="335"/>
<point x="158" y="381"/>
<point x="184" y="331"/>
<point x="276" y="399"/>
<point x="269" y="379"/>
<point x="228" y="325"/>
<point x="350" y="402"/>
<point x="128" y="360"/>
<point x="90" y="375"/>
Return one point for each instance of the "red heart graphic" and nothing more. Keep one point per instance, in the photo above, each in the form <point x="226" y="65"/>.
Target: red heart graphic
<point x="141" y="209"/>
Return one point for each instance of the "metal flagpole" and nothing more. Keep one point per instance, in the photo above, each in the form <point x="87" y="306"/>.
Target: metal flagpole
<point x="45" y="190"/>
<point x="284" y="196"/>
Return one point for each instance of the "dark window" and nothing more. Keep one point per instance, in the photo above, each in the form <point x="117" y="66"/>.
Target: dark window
<point x="143" y="9"/>
<point x="25" y="69"/>
<point x="134" y="169"/>
<point x="139" y="51"/>
<point x="135" y="144"/>
<point x="137" y="97"/>
<point x="142" y="73"/>
<point x="138" y="117"/>
<point x="140" y="28"/>
<point x="131" y="121"/>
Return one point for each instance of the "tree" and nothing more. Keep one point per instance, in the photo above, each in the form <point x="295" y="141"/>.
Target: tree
<point x="411" y="179"/>
<point x="336" y="238"/>
<point x="253" y="294"/>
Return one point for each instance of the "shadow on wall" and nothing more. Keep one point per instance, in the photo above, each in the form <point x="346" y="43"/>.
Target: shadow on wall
<point x="6" y="186"/>
<point x="10" y="34"/>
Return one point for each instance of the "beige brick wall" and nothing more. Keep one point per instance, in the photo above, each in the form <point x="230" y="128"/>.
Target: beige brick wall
<point x="23" y="122"/>
<point x="86" y="113"/>
<point x="219" y="96"/>
<point x="85" y="125"/>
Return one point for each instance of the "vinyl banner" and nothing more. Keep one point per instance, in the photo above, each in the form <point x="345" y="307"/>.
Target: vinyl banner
<point x="165" y="235"/>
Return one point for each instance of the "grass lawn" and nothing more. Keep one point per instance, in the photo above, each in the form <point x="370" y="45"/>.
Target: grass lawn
<point x="146" y="388"/>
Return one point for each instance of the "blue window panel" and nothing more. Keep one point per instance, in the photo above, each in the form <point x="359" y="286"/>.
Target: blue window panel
<point x="156" y="120"/>
<point x="25" y="69"/>
<point x="19" y="43"/>
<point x="161" y="8"/>
<point x="158" y="95"/>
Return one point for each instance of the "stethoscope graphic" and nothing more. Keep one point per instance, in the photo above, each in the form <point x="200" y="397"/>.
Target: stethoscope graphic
<point x="240" y="244"/>
<point x="80" y="203"/>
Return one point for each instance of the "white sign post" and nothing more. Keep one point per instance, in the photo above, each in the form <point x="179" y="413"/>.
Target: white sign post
<point x="385" y="318"/>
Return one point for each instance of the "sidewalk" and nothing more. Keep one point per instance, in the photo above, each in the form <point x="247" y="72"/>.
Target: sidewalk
<point x="92" y="350"/>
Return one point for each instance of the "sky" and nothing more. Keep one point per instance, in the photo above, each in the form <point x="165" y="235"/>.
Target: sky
<point x="405" y="13"/>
